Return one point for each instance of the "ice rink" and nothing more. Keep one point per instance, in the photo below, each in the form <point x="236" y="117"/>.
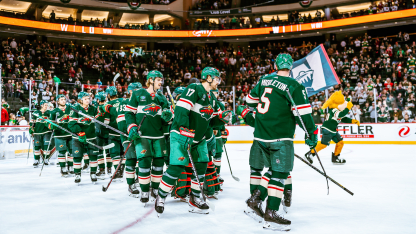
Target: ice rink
<point x="382" y="178"/>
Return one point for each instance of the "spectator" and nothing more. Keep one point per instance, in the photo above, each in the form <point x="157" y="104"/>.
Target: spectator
<point x="46" y="95"/>
<point x="4" y="116"/>
<point x="52" y="16"/>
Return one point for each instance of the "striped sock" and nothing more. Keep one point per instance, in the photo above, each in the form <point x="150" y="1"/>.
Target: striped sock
<point x="93" y="163"/>
<point x="130" y="167"/>
<point x="70" y="160"/>
<point x="137" y="168"/>
<point x="288" y="182"/>
<point x="61" y="158"/>
<point x="86" y="159"/>
<point x="144" y="179"/>
<point x="77" y="165"/>
<point x="275" y="189"/>
<point x="116" y="161"/>
<point x="157" y="171"/>
<point x="201" y="169"/>
<point x="168" y="180"/>
<point x="255" y="178"/>
<point x="101" y="163"/>
<point x="264" y="183"/>
<point x="36" y="154"/>
<point x="109" y="161"/>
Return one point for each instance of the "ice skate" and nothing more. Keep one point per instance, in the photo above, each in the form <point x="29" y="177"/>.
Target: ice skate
<point x="287" y="199"/>
<point x="309" y="156"/>
<point x="136" y="182"/>
<point x="275" y="221"/>
<point x="86" y="168"/>
<point x="215" y="196"/>
<point x="337" y="159"/>
<point x="93" y="177"/>
<point x="77" y="178"/>
<point x="36" y="163"/>
<point x="145" y="198"/>
<point x="134" y="192"/>
<point x="101" y="174"/>
<point x="118" y="175"/>
<point x="109" y="171"/>
<point x="254" y="209"/>
<point x="121" y="171"/>
<point x="197" y="205"/>
<point x="71" y="170"/>
<point x="64" y="172"/>
<point x="46" y="162"/>
<point x="153" y="194"/>
<point x="184" y="198"/>
<point x="159" y="205"/>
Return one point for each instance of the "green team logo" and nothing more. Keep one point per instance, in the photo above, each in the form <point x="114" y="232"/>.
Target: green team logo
<point x="206" y="112"/>
<point x="151" y="109"/>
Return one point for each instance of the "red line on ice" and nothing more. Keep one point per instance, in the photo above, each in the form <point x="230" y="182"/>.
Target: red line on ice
<point x="134" y="223"/>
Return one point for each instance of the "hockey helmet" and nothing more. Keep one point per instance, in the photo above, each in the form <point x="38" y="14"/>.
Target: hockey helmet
<point x="60" y="96"/>
<point x="112" y="91"/>
<point x="194" y="80"/>
<point x="101" y="96"/>
<point x="43" y="102"/>
<point x="82" y="94"/>
<point x="132" y="87"/>
<point x="284" y="61"/>
<point x="177" y="92"/>
<point x="154" y="74"/>
<point x="213" y="72"/>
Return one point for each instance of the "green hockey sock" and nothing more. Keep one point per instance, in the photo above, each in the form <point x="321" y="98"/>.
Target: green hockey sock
<point x="109" y="161"/>
<point x="137" y="167"/>
<point x="217" y="162"/>
<point x="275" y="189"/>
<point x="116" y="161"/>
<point x="77" y="165"/>
<point x="93" y="163"/>
<point x="36" y="152"/>
<point x="101" y="163"/>
<point x="144" y="173"/>
<point x="201" y="169"/>
<point x="70" y="160"/>
<point x="157" y="171"/>
<point x="86" y="159"/>
<point x="61" y="158"/>
<point x="169" y="178"/>
<point x="264" y="183"/>
<point x="288" y="183"/>
<point x="130" y="168"/>
<point x="255" y="178"/>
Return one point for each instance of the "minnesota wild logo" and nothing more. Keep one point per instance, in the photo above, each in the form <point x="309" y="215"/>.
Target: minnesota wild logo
<point x="133" y="4"/>
<point x="151" y="109"/>
<point x="181" y="158"/>
<point x="206" y="112"/>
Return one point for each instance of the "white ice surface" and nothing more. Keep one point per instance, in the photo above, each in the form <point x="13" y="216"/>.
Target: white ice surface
<point x="381" y="176"/>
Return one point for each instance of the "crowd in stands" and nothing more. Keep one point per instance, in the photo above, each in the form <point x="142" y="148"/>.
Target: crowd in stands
<point x="380" y="68"/>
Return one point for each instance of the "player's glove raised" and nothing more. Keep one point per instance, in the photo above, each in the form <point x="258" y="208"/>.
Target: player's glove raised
<point x="105" y="108"/>
<point x="134" y="133"/>
<point x="167" y="115"/>
<point x="82" y="137"/>
<point x="242" y="111"/>
<point x="186" y="137"/>
<point x="354" y="121"/>
<point x="313" y="138"/>
<point x="227" y="117"/>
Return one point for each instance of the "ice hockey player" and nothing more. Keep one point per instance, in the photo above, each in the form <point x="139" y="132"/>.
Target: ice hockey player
<point x="41" y="134"/>
<point x="150" y="142"/>
<point x="85" y="129"/>
<point x="102" y="136"/>
<point x="274" y="128"/>
<point x="338" y="109"/>
<point x="63" y="140"/>
<point x="221" y="135"/>
<point x="131" y="159"/>
<point x="193" y="113"/>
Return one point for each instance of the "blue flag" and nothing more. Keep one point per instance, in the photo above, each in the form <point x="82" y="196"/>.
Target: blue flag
<point x="315" y="71"/>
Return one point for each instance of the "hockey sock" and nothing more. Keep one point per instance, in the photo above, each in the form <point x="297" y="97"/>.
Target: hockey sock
<point x="86" y="159"/>
<point x="201" y="169"/>
<point x="211" y="180"/>
<point x="319" y="147"/>
<point x="184" y="183"/>
<point x="61" y="158"/>
<point x="130" y="168"/>
<point x="93" y="163"/>
<point x="36" y="152"/>
<point x="109" y="161"/>
<point x="255" y="178"/>
<point x="157" y="171"/>
<point x="264" y="183"/>
<point x="338" y="148"/>
<point x="169" y="178"/>
<point x="275" y="189"/>
<point x="144" y="173"/>
<point x="288" y="183"/>
<point x="217" y="162"/>
<point x="101" y="161"/>
<point x="77" y="165"/>
<point x="116" y="161"/>
<point x="70" y="160"/>
<point x="137" y="167"/>
<point x="124" y="161"/>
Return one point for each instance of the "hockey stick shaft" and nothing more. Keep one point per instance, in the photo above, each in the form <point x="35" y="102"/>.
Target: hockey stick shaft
<point x="122" y="157"/>
<point x="320" y="172"/>
<point x="196" y="173"/>
<point x="67" y="131"/>
<point x="99" y="122"/>
<point x="228" y="160"/>
<point x="28" y="151"/>
<point x="307" y="134"/>
<point x="171" y="97"/>
<point x="47" y="149"/>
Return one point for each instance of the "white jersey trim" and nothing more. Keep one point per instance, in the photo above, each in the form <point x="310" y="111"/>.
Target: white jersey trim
<point x="274" y="140"/>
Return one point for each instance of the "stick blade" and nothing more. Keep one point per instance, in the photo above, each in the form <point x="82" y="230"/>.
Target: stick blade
<point x="109" y="146"/>
<point x="104" y="189"/>
<point x="236" y="178"/>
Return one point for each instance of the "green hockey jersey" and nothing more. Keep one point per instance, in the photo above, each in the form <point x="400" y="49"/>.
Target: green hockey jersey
<point x="335" y="117"/>
<point x="121" y="115"/>
<point x="116" y="106"/>
<point x="60" y="117"/>
<point x="100" y="130"/>
<point x="39" y="124"/>
<point x="78" y="123"/>
<point x="275" y="116"/>
<point x="143" y="103"/>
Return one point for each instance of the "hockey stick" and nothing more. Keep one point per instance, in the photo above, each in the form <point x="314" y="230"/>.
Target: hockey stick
<point x="171" y="97"/>
<point x="28" y="151"/>
<point x="99" y="122"/>
<point x="307" y="134"/>
<point x="320" y="172"/>
<point x="76" y="136"/>
<point x="122" y="158"/>
<point x="234" y="177"/>
<point x="115" y="78"/>
<point x="47" y="149"/>
<point x="211" y="206"/>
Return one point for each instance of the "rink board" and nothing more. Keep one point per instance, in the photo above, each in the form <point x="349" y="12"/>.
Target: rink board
<point x="390" y="133"/>
<point x="14" y="141"/>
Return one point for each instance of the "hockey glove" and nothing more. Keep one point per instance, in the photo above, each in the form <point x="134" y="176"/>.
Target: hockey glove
<point x="82" y="137"/>
<point x="242" y="111"/>
<point x="167" y="115"/>
<point x="186" y="137"/>
<point x="313" y="139"/>
<point x="224" y="136"/>
<point x="354" y="121"/>
<point x="227" y="116"/>
<point x="105" y="108"/>
<point x="134" y="133"/>
<point x="30" y="130"/>
<point x="51" y="126"/>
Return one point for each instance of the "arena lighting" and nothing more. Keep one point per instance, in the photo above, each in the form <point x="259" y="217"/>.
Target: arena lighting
<point x="209" y="33"/>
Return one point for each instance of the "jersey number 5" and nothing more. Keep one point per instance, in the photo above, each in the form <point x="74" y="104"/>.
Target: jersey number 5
<point x="264" y="100"/>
